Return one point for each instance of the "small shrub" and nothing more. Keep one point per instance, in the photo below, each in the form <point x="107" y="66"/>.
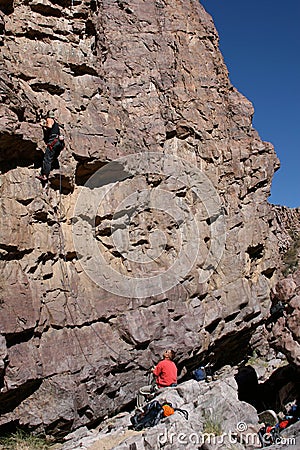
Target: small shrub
<point x="255" y="360"/>
<point x="23" y="441"/>
<point x="212" y="425"/>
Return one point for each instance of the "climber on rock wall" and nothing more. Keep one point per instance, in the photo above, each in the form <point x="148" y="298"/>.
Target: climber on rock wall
<point x="55" y="143"/>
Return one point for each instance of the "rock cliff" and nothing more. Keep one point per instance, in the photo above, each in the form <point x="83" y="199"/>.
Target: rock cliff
<point x="155" y="229"/>
<point x="216" y="420"/>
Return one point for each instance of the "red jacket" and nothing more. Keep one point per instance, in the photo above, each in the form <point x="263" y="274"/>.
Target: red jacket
<point x="165" y="373"/>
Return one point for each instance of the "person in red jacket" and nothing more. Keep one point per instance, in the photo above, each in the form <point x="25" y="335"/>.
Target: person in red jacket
<point x="165" y="376"/>
<point x="166" y="371"/>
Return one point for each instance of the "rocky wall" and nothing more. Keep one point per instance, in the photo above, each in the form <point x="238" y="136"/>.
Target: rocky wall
<point x="121" y="255"/>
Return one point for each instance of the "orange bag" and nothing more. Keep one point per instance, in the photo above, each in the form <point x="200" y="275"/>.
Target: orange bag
<point x="168" y="410"/>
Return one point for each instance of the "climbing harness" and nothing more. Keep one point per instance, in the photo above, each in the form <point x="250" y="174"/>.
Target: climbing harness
<point x="51" y="144"/>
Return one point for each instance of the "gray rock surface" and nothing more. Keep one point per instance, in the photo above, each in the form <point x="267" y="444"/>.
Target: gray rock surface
<point x="217" y="420"/>
<point x="283" y="326"/>
<point x="187" y="254"/>
<point x="211" y="406"/>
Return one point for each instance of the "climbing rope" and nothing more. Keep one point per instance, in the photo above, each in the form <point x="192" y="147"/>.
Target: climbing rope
<point x="65" y="277"/>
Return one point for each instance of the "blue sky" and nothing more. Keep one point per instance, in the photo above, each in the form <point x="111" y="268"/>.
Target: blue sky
<point x="260" y="43"/>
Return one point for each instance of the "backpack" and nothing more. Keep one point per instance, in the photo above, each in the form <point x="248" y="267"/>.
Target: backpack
<point x="203" y="373"/>
<point x="200" y="374"/>
<point x="270" y="434"/>
<point x="149" y="417"/>
<point x="152" y="414"/>
<point x="169" y="410"/>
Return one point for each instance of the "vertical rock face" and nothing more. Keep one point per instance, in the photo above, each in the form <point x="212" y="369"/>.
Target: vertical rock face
<point x="283" y="326"/>
<point x="173" y="246"/>
<point x="283" y="323"/>
<point x="287" y="231"/>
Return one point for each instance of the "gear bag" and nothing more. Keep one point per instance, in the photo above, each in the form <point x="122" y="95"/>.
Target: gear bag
<point x="169" y="410"/>
<point x="149" y="417"/>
